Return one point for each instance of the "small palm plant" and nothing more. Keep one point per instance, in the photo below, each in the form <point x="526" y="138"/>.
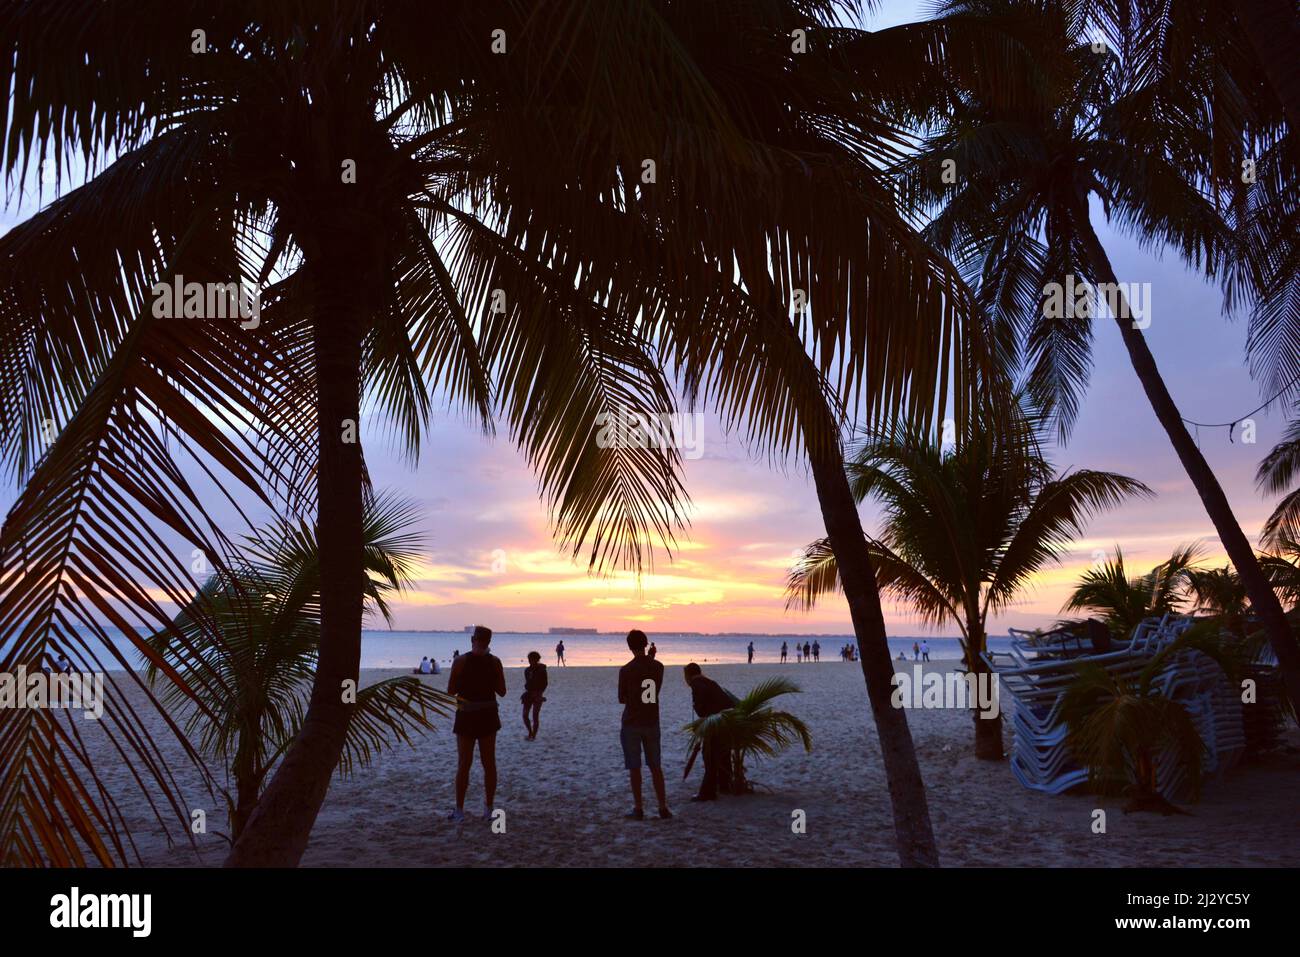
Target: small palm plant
<point x="253" y="682"/>
<point x="1124" y="601"/>
<point x="1119" y="726"/>
<point x="750" y="728"/>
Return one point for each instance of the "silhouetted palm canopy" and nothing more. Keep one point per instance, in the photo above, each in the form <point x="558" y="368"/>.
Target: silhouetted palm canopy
<point x="966" y="526"/>
<point x="1123" y="601"/>
<point x="268" y="613"/>
<point x="475" y="171"/>
<point x="1279" y="471"/>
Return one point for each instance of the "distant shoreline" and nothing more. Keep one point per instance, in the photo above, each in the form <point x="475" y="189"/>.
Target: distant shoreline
<point x="652" y="633"/>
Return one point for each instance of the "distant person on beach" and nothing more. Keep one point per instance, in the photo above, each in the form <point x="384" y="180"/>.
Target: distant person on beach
<point x="639" y="684"/>
<point x="916" y="652"/>
<point x="477" y="680"/>
<point x="751" y="653"/>
<point x="708" y="697"/>
<point x="559" y="654"/>
<point x="652" y="650"/>
<point x="925" y="651"/>
<point x="535" y="681"/>
<point x="425" y="667"/>
<point x="433" y="666"/>
<point x="817" y="651"/>
<point x="784" y="652"/>
<point x="798" y="653"/>
<point x="807" y="651"/>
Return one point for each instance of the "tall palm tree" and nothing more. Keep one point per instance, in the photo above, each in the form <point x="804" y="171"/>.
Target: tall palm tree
<point x="965" y="529"/>
<point x="268" y="612"/>
<point x="1027" y="164"/>
<point x="1124" y="601"/>
<point x="486" y="223"/>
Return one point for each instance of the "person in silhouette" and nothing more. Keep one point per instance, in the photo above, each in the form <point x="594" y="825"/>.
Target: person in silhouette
<point x="785" y="651"/>
<point x="817" y="651"/>
<point x="751" y="653"/>
<point x="639" y="684"/>
<point x="707" y="698"/>
<point x="477" y="680"/>
<point x="535" y="681"/>
<point x="559" y="653"/>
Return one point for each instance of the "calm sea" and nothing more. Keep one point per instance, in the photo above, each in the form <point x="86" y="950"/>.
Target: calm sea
<point x="404" y="649"/>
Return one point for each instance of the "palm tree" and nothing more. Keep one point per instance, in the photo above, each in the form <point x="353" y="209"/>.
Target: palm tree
<point x="481" y="224"/>
<point x="1119" y="726"/>
<point x="750" y="729"/>
<point x="965" y="529"/>
<point x="1122" y="601"/>
<point x="268" y="610"/>
<point x="1027" y="161"/>
<point x="1277" y="473"/>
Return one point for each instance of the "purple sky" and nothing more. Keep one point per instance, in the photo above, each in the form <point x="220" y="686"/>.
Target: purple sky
<point x="492" y="558"/>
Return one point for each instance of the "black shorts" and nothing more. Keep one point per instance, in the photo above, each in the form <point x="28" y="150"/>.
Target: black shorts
<point x="477" y="724"/>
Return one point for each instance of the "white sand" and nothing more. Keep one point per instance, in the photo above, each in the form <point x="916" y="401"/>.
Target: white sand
<point x="565" y="794"/>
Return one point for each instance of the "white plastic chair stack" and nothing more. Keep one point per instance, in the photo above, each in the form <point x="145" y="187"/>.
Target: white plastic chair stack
<point x="1038" y="669"/>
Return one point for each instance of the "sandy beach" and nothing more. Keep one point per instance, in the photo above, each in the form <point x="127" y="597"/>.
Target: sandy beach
<point x="565" y="795"/>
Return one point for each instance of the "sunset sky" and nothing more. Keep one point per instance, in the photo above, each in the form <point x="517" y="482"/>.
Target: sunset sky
<point x="492" y="558"/>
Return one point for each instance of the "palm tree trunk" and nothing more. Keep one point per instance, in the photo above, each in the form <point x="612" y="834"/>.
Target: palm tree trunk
<point x="988" y="730"/>
<point x="1272" y="29"/>
<point x="916" y="846"/>
<point x="1263" y="600"/>
<point x="276" y="834"/>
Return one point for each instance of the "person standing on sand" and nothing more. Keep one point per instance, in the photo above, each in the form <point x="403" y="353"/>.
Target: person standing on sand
<point x="535" y="681"/>
<point x="751" y="653"/>
<point x="708" y="697"/>
<point x="559" y="653"/>
<point x="652" y="650"/>
<point x="477" y="680"/>
<point x="817" y="651"/>
<point x="639" y="684"/>
<point x="784" y="652"/>
<point x="925" y="651"/>
<point x="916" y="652"/>
<point x="807" y="651"/>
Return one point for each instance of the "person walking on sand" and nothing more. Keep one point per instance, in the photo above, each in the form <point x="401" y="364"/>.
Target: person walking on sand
<point x="477" y="680"/>
<point x="817" y="651"/>
<point x="559" y="653"/>
<point x="535" y="681"/>
<point x="784" y="652"/>
<point x="751" y="653"/>
<point x="708" y="697"/>
<point x="925" y="651"/>
<point x="639" y="684"/>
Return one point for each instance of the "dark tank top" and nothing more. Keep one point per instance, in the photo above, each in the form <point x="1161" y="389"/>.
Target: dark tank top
<point x="478" y="677"/>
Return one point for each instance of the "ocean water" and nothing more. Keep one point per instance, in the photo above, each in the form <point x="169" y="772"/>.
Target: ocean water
<point x="397" y="649"/>
<point x="404" y="649"/>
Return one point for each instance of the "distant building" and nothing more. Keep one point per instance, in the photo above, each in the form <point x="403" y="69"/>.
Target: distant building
<point x="574" y="631"/>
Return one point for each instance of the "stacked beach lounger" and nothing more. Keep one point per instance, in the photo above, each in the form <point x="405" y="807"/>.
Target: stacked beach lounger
<point x="1038" y="669"/>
